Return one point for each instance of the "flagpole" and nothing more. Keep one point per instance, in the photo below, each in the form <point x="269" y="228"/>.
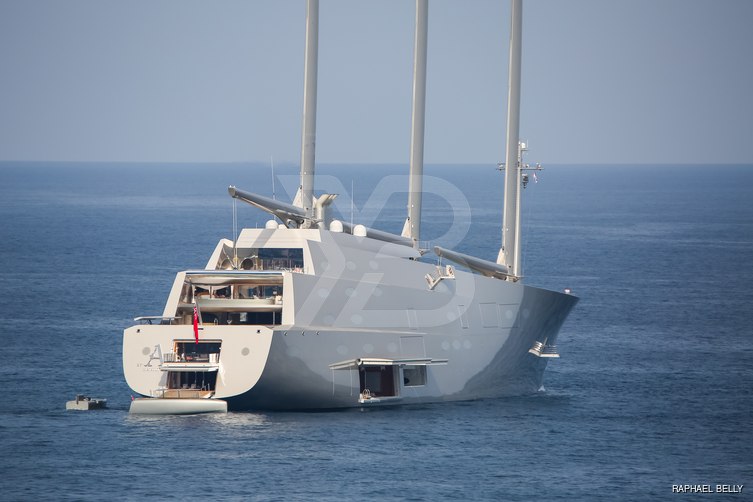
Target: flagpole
<point x="196" y="319"/>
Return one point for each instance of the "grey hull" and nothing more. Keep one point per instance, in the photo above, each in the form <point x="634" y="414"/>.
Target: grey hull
<point x="358" y="308"/>
<point x="292" y="378"/>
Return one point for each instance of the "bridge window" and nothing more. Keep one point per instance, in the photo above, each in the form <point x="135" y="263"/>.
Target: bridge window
<point x="281" y="258"/>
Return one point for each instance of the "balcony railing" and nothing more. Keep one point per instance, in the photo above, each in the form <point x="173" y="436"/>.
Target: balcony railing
<point x="172" y="361"/>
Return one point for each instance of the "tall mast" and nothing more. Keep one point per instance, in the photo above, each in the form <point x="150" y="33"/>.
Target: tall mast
<point x="308" y="135"/>
<point x="509" y="255"/>
<point x="412" y="226"/>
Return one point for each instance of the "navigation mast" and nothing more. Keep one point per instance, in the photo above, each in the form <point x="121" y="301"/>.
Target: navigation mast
<point x="509" y="254"/>
<point x="308" y="134"/>
<point x="412" y="227"/>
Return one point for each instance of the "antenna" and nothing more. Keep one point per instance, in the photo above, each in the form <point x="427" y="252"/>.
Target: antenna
<point x="235" y="234"/>
<point x="272" y="162"/>
<point x="352" y="201"/>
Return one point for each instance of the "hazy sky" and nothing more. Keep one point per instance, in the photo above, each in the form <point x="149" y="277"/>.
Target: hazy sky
<point x="622" y="81"/>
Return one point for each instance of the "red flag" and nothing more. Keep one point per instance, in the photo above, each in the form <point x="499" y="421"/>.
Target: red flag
<point x="196" y="323"/>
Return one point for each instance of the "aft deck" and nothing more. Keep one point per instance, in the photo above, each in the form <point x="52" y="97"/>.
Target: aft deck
<point x="230" y="297"/>
<point x="185" y="394"/>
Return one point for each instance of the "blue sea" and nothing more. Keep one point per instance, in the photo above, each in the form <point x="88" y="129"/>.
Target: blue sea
<point x="654" y="387"/>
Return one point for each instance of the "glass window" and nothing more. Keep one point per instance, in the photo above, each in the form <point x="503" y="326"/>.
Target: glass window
<point x="414" y="376"/>
<point x="280" y="258"/>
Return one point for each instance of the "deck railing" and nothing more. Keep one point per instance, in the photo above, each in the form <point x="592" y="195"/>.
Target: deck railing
<point x="172" y="357"/>
<point x="182" y="393"/>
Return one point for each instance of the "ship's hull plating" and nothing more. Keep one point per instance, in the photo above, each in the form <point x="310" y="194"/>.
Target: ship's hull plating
<point x="437" y="333"/>
<point x="481" y="363"/>
<point x="289" y="367"/>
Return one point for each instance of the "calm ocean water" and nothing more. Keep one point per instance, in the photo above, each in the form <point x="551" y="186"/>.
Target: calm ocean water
<point x="654" y="387"/>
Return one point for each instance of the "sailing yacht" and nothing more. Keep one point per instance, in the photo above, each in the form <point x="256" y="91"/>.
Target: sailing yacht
<point x="312" y="312"/>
